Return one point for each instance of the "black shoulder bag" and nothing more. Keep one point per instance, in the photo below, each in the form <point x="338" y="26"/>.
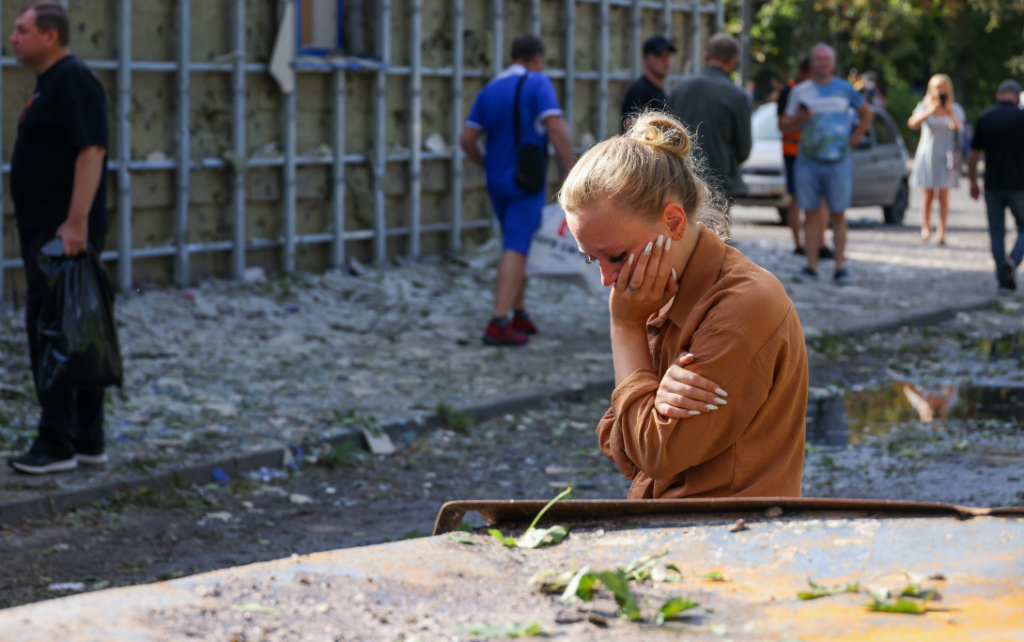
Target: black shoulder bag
<point x="531" y="160"/>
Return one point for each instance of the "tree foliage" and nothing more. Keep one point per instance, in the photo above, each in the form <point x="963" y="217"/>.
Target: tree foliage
<point x="978" y="43"/>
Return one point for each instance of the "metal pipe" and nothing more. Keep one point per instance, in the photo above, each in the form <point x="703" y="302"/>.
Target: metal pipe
<point x="498" y="26"/>
<point x="263" y="244"/>
<point x="748" y="18"/>
<point x="288" y="193"/>
<point x="570" y="65"/>
<point x="238" y="145"/>
<point x="124" y="146"/>
<point x="3" y="233"/>
<point x="458" y="46"/>
<point x="380" y="134"/>
<point x="415" y="127"/>
<point x="602" y="81"/>
<point x="666" y="18"/>
<point x="637" y="45"/>
<point x="182" y="272"/>
<point x="338" y="194"/>
<point x="695" y="36"/>
<point x="535" y="17"/>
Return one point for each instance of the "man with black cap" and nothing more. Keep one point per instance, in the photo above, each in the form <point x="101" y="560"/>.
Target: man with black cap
<point x="999" y="133"/>
<point x="649" y="91"/>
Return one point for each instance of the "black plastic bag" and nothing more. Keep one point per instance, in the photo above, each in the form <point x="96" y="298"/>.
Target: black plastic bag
<point x="77" y="332"/>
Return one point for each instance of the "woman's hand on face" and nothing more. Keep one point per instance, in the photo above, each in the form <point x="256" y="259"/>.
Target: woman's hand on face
<point x="644" y="285"/>
<point x="683" y="394"/>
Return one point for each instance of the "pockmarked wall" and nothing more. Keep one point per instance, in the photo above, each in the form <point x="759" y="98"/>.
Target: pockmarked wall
<point x="214" y="170"/>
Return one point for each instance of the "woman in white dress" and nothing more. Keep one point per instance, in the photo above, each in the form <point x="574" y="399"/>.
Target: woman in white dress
<point x="937" y="161"/>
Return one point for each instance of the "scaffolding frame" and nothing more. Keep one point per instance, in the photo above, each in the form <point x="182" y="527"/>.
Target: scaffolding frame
<point x="122" y="165"/>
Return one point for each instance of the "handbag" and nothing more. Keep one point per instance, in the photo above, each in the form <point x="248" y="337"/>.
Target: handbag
<point x="531" y="160"/>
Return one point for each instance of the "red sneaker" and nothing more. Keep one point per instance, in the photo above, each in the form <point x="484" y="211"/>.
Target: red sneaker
<point x="504" y="336"/>
<point x="523" y="324"/>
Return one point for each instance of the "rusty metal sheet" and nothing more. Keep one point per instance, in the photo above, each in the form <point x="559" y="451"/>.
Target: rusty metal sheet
<point x="430" y="587"/>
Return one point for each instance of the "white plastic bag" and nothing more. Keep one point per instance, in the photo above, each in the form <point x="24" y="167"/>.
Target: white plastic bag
<point x="554" y="253"/>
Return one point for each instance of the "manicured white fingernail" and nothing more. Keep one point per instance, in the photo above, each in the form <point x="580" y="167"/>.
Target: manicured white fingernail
<point x="694" y="412"/>
<point x="720" y="401"/>
<point x="720" y="392"/>
<point x="647" y="250"/>
<point x="711" y="407"/>
<point x="661" y="241"/>
<point x="630" y="261"/>
<point x="674" y="277"/>
<point x="668" y="244"/>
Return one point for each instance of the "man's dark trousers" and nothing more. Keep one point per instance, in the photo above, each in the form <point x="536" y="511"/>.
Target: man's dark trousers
<point x="997" y="201"/>
<point x="72" y="420"/>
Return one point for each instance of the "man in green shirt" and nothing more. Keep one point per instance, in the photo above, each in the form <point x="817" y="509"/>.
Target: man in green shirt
<point x="718" y="113"/>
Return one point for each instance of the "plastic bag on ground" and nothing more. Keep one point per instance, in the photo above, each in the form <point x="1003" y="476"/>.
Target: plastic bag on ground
<point x="554" y="253"/>
<point x="77" y="331"/>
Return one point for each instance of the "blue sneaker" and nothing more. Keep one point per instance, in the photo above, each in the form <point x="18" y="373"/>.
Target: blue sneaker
<point x="806" y="275"/>
<point x="843" y="277"/>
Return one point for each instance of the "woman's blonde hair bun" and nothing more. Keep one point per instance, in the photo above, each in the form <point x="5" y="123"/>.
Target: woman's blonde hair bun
<point x="661" y="131"/>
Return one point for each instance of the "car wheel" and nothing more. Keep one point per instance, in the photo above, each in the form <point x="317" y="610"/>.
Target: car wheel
<point x="894" y="213"/>
<point x="784" y="215"/>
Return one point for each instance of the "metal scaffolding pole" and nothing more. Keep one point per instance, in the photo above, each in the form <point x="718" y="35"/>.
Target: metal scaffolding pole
<point x="338" y="174"/>
<point x="499" y="29"/>
<point x="238" y="145"/>
<point x="380" y="135"/>
<point x="720" y="17"/>
<point x="455" y="239"/>
<point x="695" y="36"/>
<point x="182" y="273"/>
<point x="415" y="128"/>
<point x="570" y="65"/>
<point x="124" y="146"/>
<point x="666" y="17"/>
<point x="288" y="193"/>
<point x="3" y="232"/>
<point x="637" y="45"/>
<point x="602" y="82"/>
<point x="748" y="18"/>
<point x="535" y="17"/>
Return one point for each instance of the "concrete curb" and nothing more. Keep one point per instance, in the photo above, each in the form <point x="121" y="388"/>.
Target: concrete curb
<point x="48" y="505"/>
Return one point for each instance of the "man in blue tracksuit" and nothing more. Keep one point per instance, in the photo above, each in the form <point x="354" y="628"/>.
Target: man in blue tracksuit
<point x="518" y="210"/>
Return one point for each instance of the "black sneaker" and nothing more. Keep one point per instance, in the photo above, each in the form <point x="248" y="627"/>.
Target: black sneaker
<point x="1008" y="280"/>
<point x="92" y="460"/>
<point x="800" y="251"/>
<point x="826" y="253"/>
<point x="36" y="464"/>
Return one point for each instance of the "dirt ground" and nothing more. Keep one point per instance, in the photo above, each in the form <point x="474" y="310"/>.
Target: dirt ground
<point x="145" y="535"/>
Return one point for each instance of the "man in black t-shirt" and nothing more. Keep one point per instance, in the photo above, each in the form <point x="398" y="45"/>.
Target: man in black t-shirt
<point x="58" y="184"/>
<point x="649" y="91"/>
<point x="999" y="133"/>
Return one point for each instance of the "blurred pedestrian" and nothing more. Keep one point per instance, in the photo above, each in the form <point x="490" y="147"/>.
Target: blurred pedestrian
<point x="821" y="108"/>
<point x="937" y="161"/>
<point x="636" y="203"/>
<point x="999" y="133"/>
<point x="790" y="149"/>
<point x="718" y="114"/>
<point x="58" y="185"/>
<point x="649" y="91"/>
<point x="518" y="112"/>
<point x="869" y="88"/>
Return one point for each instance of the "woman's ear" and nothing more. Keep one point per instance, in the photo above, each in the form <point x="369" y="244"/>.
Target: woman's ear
<point x="675" y="219"/>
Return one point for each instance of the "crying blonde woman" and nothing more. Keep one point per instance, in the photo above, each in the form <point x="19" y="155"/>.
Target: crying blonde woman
<point x="710" y="364"/>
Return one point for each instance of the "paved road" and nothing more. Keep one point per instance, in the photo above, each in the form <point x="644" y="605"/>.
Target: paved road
<point x="895" y="273"/>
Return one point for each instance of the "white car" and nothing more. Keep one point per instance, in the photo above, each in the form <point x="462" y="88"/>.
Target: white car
<point x="880" y="171"/>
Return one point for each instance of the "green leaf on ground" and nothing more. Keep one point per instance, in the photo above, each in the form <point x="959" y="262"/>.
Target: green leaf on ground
<point x="820" y="590"/>
<point x="462" y="538"/>
<point x="667" y="573"/>
<point x="509" y="541"/>
<point x="485" y="629"/>
<point x="552" y="581"/>
<point x="539" y="537"/>
<point x="464" y="526"/>
<point x="901" y="605"/>
<point x="458" y="420"/>
<point x="714" y="576"/>
<point x="640" y="568"/>
<point x="580" y="586"/>
<point x="618" y="584"/>
<point x="254" y="607"/>
<point x="672" y="608"/>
